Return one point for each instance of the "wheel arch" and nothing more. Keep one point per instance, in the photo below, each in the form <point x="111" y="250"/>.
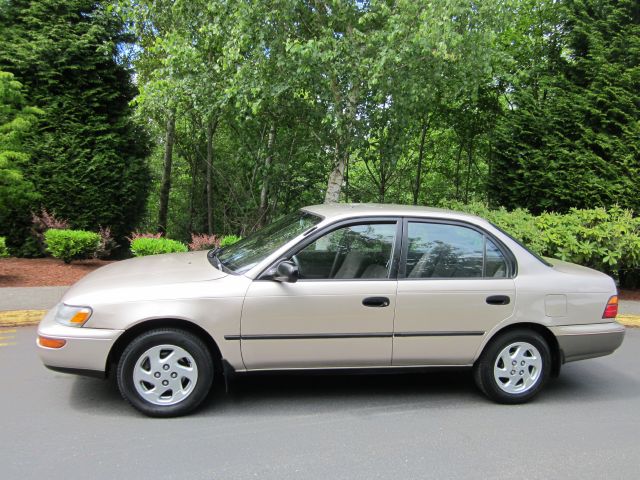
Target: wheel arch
<point x="139" y="328"/>
<point x="550" y="338"/>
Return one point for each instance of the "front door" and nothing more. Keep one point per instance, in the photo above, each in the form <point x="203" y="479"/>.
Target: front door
<point x="338" y="314"/>
<point x="454" y="286"/>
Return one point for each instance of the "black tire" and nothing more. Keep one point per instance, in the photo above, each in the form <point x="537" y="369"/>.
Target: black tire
<point x="180" y="339"/>
<point x="483" y="371"/>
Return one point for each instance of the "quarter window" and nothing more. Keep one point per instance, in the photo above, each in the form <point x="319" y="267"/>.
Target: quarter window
<point x="495" y="265"/>
<point x="357" y="251"/>
<point x="437" y="250"/>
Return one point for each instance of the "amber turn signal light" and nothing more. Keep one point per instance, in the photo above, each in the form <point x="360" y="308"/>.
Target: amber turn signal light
<point x="80" y="317"/>
<point x="51" y="342"/>
<point x="611" y="310"/>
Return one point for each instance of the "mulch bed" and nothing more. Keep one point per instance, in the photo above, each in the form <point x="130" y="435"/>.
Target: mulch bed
<point x="44" y="272"/>
<point x="49" y="272"/>
<point x="629" y="295"/>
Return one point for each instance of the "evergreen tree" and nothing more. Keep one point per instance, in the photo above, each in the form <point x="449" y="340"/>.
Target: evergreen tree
<point x="571" y="136"/>
<point x="88" y="156"/>
<point x="17" y="195"/>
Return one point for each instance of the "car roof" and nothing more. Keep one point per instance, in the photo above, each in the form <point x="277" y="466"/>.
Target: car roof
<point x="333" y="211"/>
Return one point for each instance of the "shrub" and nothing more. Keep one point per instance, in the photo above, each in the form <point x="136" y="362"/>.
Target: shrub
<point x="229" y="240"/>
<point x="107" y="243"/>
<point x="3" y="248"/>
<point x="69" y="245"/>
<point x="136" y="235"/>
<point x="143" y="246"/>
<point x="203" y="241"/>
<point x="43" y="221"/>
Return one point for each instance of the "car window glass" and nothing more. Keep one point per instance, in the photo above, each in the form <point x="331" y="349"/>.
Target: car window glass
<point x="356" y="251"/>
<point x="495" y="265"/>
<point x="250" y="251"/>
<point x="444" y="251"/>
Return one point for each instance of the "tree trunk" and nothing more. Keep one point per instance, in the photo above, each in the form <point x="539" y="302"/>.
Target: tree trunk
<point x="334" y="185"/>
<point x="211" y="129"/>
<point x="488" y="191"/>
<point x="416" y="188"/>
<point x="470" y="161"/>
<point x="165" y="186"/>
<point x="264" y="191"/>
<point x="192" y="192"/>
<point x="458" y="172"/>
<point x="382" y="190"/>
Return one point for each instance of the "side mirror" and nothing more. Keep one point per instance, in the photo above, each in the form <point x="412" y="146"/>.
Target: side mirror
<point x="286" y="271"/>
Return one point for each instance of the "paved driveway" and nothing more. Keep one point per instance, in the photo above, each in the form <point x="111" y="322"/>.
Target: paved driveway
<point x="586" y="425"/>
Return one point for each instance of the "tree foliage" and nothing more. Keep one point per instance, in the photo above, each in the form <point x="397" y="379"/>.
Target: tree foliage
<point x="258" y="107"/>
<point x="87" y="157"/>
<point x="570" y="135"/>
<point x="17" y="193"/>
<point x="283" y="103"/>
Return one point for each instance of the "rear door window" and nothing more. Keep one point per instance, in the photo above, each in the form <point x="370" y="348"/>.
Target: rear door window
<point x="439" y="250"/>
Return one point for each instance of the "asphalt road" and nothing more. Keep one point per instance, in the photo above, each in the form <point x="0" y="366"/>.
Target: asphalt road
<point x="585" y="425"/>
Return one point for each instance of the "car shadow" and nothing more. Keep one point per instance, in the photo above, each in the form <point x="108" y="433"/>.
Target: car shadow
<point x="312" y="394"/>
<point x="100" y="397"/>
<point x="295" y="392"/>
<point x="304" y="393"/>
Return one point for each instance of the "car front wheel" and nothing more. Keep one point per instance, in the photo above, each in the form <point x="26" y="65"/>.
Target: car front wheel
<point x="165" y="372"/>
<point x="514" y="367"/>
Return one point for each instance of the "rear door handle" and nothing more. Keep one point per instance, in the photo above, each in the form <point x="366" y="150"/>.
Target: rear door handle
<point x="498" y="300"/>
<point x="376" y="302"/>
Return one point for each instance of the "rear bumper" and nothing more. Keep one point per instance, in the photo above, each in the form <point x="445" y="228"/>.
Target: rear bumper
<point x="578" y="342"/>
<point x="86" y="349"/>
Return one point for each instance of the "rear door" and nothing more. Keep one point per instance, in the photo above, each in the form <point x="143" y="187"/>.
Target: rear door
<point x="455" y="284"/>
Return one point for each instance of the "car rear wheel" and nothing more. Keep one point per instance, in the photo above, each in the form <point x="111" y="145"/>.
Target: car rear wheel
<point x="165" y="372"/>
<point x="514" y="367"/>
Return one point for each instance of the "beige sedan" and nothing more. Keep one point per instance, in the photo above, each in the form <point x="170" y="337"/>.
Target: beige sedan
<point x="334" y="287"/>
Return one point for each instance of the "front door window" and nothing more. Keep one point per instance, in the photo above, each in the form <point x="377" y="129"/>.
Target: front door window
<point x="352" y="252"/>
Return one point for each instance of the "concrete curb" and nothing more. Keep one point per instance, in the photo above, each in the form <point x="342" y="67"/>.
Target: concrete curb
<point x="21" y="318"/>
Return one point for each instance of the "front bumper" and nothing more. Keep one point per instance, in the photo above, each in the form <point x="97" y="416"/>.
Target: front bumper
<point x="578" y="342"/>
<point x="86" y="349"/>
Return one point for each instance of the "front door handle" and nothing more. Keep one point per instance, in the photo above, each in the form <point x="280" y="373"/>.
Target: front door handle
<point x="376" y="302"/>
<point x="498" y="300"/>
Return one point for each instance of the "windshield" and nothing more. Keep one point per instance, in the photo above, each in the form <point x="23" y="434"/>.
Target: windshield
<point x="250" y="251"/>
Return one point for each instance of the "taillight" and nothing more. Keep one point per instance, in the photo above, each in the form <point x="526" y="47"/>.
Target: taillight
<point x="611" y="310"/>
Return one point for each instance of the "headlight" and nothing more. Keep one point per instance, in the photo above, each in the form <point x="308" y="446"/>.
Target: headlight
<point x="72" y="316"/>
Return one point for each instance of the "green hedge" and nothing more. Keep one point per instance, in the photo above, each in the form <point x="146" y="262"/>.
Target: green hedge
<point x="69" y="245"/>
<point x="229" y="240"/>
<point x="142" y="246"/>
<point x="605" y="239"/>
<point x="3" y="248"/>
